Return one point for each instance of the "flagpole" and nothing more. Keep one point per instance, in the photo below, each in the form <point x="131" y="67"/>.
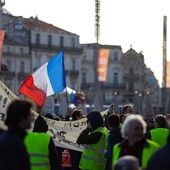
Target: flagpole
<point x="67" y="97"/>
<point x="66" y="81"/>
<point x="66" y="87"/>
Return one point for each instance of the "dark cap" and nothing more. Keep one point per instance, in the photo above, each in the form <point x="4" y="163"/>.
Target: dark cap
<point x="160" y="120"/>
<point x="40" y="125"/>
<point x="95" y="118"/>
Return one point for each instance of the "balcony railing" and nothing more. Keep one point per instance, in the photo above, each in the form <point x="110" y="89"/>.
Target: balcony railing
<point x="72" y="73"/>
<point x="131" y="76"/>
<point x="7" y="74"/>
<point x="128" y="93"/>
<point x="104" y="85"/>
<point x="87" y="85"/>
<point x="22" y="75"/>
<point x="66" y="49"/>
<point x="113" y="85"/>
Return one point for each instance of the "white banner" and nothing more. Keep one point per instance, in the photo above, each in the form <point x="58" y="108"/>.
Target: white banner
<point x="64" y="133"/>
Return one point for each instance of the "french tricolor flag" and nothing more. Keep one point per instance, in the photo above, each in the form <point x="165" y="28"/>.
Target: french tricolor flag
<point x="47" y="80"/>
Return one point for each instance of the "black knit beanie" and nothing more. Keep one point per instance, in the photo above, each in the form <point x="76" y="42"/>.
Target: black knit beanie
<point x="95" y="118"/>
<point x="40" y="125"/>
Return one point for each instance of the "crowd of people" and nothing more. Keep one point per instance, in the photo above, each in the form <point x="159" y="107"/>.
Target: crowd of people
<point x="126" y="141"/>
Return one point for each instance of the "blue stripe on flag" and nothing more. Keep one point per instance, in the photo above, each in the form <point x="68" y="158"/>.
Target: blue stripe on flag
<point x="56" y="72"/>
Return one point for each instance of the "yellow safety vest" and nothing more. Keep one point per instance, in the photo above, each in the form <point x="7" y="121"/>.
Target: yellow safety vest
<point x="92" y="157"/>
<point x="147" y="152"/>
<point x="159" y="135"/>
<point x="37" y="147"/>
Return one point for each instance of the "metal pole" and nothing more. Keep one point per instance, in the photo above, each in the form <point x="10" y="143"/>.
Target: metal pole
<point x="164" y="96"/>
<point x="97" y="96"/>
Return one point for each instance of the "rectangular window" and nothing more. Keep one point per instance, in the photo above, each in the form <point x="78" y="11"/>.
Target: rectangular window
<point x="116" y="56"/>
<point x="73" y="65"/>
<point x="131" y="72"/>
<point x="37" y="39"/>
<point x="8" y="50"/>
<point x="37" y="62"/>
<point x="73" y="42"/>
<point x="9" y="65"/>
<point x="22" y="65"/>
<point x="21" y="50"/>
<point x="61" y="42"/>
<point x="84" y="78"/>
<point x="115" y="78"/>
<point x="131" y="86"/>
<point x="49" y="41"/>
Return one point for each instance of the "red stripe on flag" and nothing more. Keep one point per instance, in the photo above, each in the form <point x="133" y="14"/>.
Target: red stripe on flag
<point x="29" y="89"/>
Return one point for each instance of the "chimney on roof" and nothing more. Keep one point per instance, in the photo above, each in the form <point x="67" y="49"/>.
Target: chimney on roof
<point x="31" y="19"/>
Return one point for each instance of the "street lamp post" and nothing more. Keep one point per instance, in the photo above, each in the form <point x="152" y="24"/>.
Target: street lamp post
<point x="148" y="105"/>
<point x="116" y="105"/>
<point x="135" y="103"/>
<point x="140" y="104"/>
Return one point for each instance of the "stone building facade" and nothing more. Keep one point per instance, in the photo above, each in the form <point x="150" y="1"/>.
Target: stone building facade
<point x="30" y="42"/>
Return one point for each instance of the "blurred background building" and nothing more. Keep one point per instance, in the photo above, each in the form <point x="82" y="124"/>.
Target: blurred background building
<point x="30" y="42"/>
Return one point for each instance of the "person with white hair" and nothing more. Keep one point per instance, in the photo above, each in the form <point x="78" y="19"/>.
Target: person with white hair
<point x="134" y="142"/>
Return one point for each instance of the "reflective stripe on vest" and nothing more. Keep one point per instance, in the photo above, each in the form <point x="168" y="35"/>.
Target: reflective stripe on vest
<point x="146" y="153"/>
<point x="40" y="164"/>
<point x="159" y="135"/>
<point x="100" y="150"/>
<point x="92" y="156"/>
<point x="37" y="147"/>
<point x="38" y="155"/>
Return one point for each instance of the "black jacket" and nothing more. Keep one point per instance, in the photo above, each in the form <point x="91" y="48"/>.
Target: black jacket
<point x="96" y="120"/>
<point x="113" y="138"/>
<point x="13" y="153"/>
<point x="161" y="158"/>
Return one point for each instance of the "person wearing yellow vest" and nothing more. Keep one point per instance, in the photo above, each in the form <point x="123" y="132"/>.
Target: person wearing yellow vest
<point x="161" y="132"/>
<point x="41" y="148"/>
<point x="94" y="137"/>
<point x="134" y="143"/>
